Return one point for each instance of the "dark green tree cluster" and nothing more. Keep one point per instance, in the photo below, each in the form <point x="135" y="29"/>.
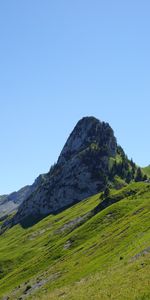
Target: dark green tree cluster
<point x="140" y="176"/>
<point x="123" y="170"/>
<point x="105" y="193"/>
<point x="126" y="169"/>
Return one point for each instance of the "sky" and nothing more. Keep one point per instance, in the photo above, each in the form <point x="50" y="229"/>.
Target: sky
<point x="60" y="61"/>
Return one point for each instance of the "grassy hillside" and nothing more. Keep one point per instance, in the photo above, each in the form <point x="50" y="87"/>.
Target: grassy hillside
<point x="146" y="170"/>
<point x="78" y="255"/>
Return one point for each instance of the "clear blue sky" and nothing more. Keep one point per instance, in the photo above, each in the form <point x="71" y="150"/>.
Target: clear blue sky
<point x="60" y="61"/>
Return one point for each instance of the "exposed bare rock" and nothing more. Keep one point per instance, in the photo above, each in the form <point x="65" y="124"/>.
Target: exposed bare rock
<point x="81" y="170"/>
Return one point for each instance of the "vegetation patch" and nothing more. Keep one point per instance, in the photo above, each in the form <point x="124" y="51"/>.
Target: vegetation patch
<point x="70" y="256"/>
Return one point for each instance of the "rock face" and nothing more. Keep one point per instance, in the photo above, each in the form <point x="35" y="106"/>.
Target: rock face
<point x="81" y="170"/>
<point x="10" y="203"/>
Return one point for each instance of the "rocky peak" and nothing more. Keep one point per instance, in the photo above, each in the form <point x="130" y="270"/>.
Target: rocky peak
<point x="88" y="131"/>
<point x="81" y="170"/>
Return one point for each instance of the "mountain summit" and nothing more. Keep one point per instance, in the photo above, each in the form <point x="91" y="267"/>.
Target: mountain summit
<point x="89" y="162"/>
<point x="88" y="131"/>
<point x="81" y="170"/>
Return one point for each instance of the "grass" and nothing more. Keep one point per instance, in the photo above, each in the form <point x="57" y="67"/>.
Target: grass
<point x="146" y="171"/>
<point x="101" y="257"/>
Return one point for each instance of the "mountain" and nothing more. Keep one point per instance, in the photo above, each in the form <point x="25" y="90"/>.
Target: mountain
<point x="10" y="203"/>
<point x="82" y="230"/>
<point x="89" y="160"/>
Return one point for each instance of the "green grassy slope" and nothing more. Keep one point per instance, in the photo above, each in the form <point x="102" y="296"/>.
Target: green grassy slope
<point x="75" y="256"/>
<point x="146" y="170"/>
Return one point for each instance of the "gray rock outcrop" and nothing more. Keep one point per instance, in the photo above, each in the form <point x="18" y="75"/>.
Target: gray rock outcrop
<point x="81" y="170"/>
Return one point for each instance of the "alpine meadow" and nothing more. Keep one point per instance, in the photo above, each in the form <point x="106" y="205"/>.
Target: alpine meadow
<point x="81" y="231"/>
